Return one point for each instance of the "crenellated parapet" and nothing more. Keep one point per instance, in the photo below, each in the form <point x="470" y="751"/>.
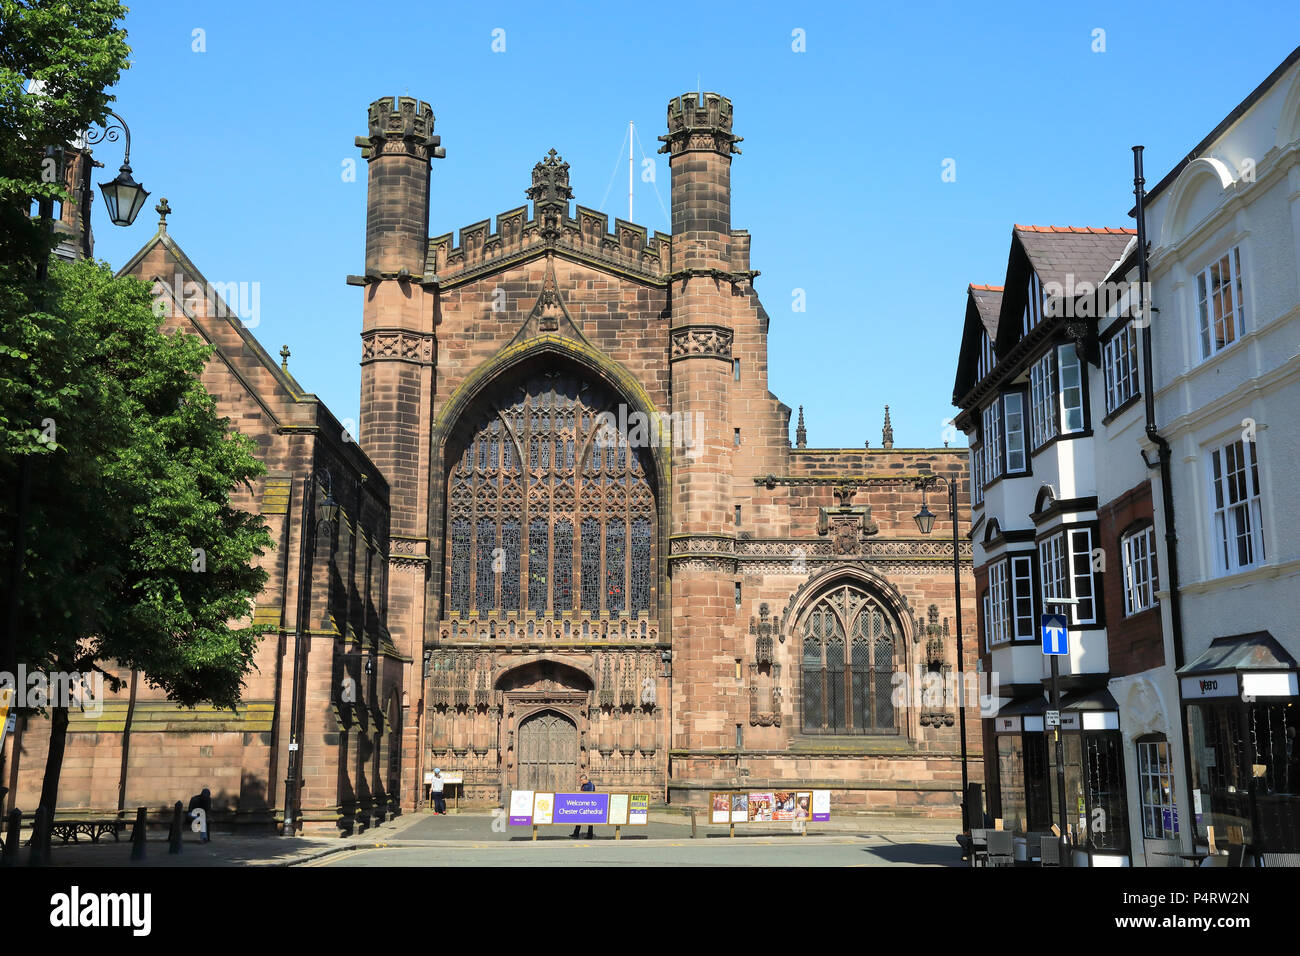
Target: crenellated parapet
<point x="699" y="121"/>
<point x="401" y="124"/>
<point x="585" y="235"/>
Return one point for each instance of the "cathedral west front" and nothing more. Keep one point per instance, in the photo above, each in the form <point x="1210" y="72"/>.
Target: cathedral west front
<point x="606" y="554"/>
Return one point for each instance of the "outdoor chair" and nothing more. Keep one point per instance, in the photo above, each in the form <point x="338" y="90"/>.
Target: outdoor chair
<point x="1001" y="848"/>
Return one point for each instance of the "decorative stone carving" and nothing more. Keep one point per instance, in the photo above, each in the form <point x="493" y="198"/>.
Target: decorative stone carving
<point x="396" y="344"/>
<point x="701" y="341"/>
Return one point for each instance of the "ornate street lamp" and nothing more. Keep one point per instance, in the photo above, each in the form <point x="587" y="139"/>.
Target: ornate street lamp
<point x="123" y="196"/>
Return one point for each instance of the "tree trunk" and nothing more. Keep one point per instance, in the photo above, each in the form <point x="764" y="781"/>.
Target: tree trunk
<point x="54" y="758"/>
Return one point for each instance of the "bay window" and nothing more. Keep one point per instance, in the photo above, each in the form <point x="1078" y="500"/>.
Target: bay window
<point x="1065" y="566"/>
<point x="1056" y="399"/>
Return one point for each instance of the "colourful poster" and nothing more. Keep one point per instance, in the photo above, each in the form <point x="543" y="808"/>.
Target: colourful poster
<point x="760" y="807"/>
<point x="521" y="808"/>
<point x="543" y="807"/>
<point x="721" y="808"/>
<point x="783" y="805"/>
<point x="739" y="807"/>
<point x="618" y="809"/>
<point x="821" y="805"/>
<point x="638" y="808"/>
<point x="803" y="805"/>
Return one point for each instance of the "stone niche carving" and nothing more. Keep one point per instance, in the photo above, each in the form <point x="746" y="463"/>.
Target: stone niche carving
<point x="764" y="697"/>
<point x="848" y="525"/>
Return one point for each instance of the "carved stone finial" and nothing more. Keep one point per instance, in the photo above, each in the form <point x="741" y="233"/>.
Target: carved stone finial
<point x="550" y="180"/>
<point x="800" y="433"/>
<point x="284" y="358"/>
<point x="163" y="210"/>
<point x="887" y="433"/>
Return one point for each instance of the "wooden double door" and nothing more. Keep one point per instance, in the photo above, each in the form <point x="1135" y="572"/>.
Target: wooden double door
<point x="548" y="752"/>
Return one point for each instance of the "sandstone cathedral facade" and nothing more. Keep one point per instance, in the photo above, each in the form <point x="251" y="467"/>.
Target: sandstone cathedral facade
<point x="605" y="554"/>
<point x="572" y="535"/>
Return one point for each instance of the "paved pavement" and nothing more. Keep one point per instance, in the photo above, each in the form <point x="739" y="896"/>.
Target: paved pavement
<point x="483" y="839"/>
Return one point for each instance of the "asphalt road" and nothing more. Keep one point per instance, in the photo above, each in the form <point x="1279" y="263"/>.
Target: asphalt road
<point x="712" y="850"/>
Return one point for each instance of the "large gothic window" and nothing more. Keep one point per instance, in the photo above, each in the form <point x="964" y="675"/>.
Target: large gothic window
<point x="545" y="514"/>
<point x="847" y="665"/>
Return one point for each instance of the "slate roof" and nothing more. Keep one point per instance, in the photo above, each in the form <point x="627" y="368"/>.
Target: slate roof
<point x="1084" y="252"/>
<point x="988" y="300"/>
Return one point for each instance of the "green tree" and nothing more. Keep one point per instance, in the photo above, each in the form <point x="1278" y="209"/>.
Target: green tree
<point x="74" y="50"/>
<point x="135" y="553"/>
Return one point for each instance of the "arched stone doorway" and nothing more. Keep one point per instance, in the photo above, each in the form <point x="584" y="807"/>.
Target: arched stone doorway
<point x="548" y="752"/>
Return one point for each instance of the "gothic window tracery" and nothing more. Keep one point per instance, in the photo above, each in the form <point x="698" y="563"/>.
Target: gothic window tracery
<point x="848" y="663"/>
<point x="534" y="470"/>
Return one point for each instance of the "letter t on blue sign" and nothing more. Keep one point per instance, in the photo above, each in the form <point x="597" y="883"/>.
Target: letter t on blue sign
<point x="1056" y="638"/>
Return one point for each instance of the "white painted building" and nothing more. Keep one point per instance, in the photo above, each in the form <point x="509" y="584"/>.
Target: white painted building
<point x="1223" y="230"/>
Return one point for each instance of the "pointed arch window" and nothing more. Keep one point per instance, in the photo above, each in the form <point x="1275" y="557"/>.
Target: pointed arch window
<point x="530" y="474"/>
<point x="850" y="648"/>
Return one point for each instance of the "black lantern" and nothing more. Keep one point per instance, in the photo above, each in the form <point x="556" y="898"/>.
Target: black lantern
<point x="124" y="197"/>
<point x="328" y="510"/>
<point x="925" y="519"/>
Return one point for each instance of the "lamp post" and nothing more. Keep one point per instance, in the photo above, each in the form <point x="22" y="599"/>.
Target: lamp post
<point x="123" y="196"/>
<point x="324" y="512"/>
<point x="925" y="522"/>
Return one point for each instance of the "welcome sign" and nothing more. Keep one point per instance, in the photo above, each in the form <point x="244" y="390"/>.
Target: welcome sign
<point x="530" y="808"/>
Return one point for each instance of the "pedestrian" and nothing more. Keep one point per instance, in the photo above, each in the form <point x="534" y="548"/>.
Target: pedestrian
<point x="435" y="789"/>
<point x="201" y="807"/>
<point x="586" y="786"/>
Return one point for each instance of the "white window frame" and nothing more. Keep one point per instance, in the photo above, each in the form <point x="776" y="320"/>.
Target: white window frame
<point x="1016" y="459"/>
<point x="1042" y="391"/>
<point x="1156" y="776"/>
<point x="1212" y="320"/>
<point x="988" y="620"/>
<point x="1065" y="569"/>
<point x="1067" y="359"/>
<point x="993" y="441"/>
<point x="1236" y="511"/>
<point x="1138" y="550"/>
<point x="1022" y="597"/>
<point x="999" y="599"/>
<point x="1120" y="367"/>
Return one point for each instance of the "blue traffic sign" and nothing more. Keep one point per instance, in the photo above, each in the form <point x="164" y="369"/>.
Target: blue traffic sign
<point x="1056" y="639"/>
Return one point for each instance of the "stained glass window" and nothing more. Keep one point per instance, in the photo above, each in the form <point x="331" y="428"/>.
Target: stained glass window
<point x="538" y="556"/>
<point x="563" y="565"/>
<point x="847" y="684"/>
<point x="615" y="573"/>
<point x="485" y="549"/>
<point x="510" y="571"/>
<point x="590" y="564"/>
<point x="640" y="565"/>
<point x="460" y="566"/>
<point x="548" y="426"/>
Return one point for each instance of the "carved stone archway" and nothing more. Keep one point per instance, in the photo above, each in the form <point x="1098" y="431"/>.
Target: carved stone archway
<point x="539" y="698"/>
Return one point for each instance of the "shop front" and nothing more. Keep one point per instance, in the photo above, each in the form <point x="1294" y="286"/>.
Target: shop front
<point x="1096" y="820"/>
<point x="1239" y="703"/>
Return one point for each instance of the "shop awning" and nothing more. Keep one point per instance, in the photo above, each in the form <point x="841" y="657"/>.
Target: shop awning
<point x="1245" y="665"/>
<point x="1094" y="709"/>
<point x="1011" y="716"/>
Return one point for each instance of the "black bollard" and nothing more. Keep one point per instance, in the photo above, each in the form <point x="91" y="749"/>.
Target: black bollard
<point x="12" y="832"/>
<point x="138" y="834"/>
<point x="174" y="837"/>
<point x="40" y="841"/>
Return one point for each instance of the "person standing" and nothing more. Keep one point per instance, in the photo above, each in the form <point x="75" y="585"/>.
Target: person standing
<point x="201" y="806"/>
<point x="436" y="788"/>
<point x="586" y="786"/>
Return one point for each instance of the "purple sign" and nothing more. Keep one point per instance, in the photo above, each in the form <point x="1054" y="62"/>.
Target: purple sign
<point x="580" y="808"/>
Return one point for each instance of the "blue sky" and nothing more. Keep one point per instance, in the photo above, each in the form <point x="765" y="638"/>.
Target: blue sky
<point x="839" y="182"/>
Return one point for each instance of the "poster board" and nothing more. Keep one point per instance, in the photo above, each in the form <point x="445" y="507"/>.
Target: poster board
<point x="585" y="808"/>
<point x="769" y="806"/>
